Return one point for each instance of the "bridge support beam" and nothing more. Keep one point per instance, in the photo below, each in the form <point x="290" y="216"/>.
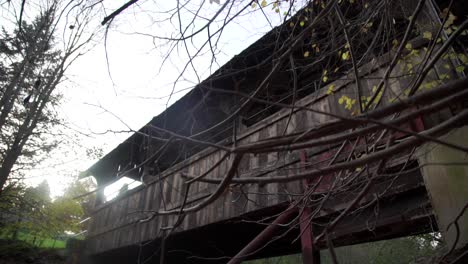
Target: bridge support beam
<point x="310" y="255"/>
<point x="447" y="186"/>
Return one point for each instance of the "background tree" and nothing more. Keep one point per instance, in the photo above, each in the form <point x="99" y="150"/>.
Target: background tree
<point x="32" y="66"/>
<point x="30" y="210"/>
<point x="25" y="210"/>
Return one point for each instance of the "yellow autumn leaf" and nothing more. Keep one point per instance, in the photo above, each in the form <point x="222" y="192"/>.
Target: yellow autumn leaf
<point x="302" y="23"/>
<point x="462" y="57"/>
<point x="306" y="54"/>
<point x="264" y="3"/>
<point x="408" y="46"/>
<point x="427" y="35"/>
<point x="451" y="18"/>
<point x="444" y="76"/>
<point x="331" y="89"/>
<point x="345" y="55"/>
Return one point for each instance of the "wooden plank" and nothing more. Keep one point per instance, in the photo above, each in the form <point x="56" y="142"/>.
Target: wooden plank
<point x="272" y="159"/>
<point x="239" y="200"/>
<point x="282" y="157"/>
<point x="176" y="196"/>
<point x="217" y="173"/>
<point x="211" y="211"/>
<point x="191" y="220"/>
<point x="155" y="206"/>
<point x="147" y="206"/>
<point x="254" y="164"/>
<point x="261" y="199"/>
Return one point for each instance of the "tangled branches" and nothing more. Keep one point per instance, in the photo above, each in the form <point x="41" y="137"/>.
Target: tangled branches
<point x="355" y="86"/>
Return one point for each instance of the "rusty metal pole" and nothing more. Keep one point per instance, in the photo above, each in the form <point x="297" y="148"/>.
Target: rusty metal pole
<point x="310" y="255"/>
<point x="262" y="238"/>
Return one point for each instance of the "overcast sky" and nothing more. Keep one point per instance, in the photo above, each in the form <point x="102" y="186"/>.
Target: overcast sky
<point x="133" y="87"/>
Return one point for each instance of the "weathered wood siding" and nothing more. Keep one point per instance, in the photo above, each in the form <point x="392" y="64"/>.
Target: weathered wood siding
<point x="115" y="224"/>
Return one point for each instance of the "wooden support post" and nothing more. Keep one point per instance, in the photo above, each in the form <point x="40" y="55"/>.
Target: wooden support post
<point x="310" y="254"/>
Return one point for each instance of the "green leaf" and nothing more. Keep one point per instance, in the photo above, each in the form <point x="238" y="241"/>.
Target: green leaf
<point x="460" y="68"/>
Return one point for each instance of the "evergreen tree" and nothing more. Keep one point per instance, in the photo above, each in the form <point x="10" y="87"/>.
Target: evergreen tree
<point x="31" y="68"/>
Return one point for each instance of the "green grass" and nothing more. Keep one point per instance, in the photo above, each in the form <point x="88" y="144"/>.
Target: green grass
<point x="39" y="241"/>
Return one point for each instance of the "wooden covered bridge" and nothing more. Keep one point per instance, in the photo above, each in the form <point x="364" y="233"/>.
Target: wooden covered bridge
<point x="267" y="158"/>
